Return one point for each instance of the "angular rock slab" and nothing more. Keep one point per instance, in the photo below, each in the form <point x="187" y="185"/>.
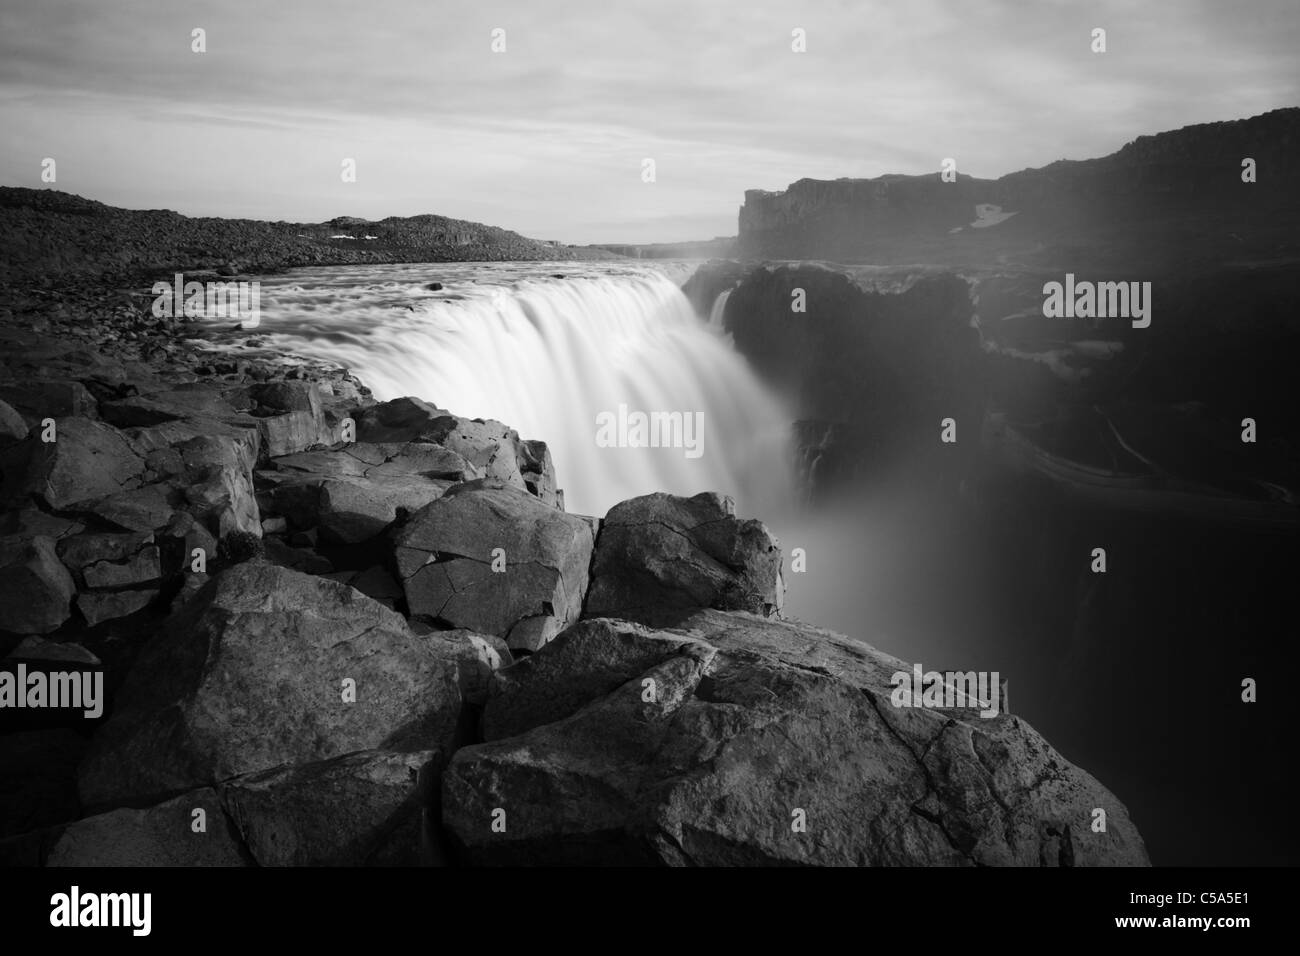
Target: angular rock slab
<point x="36" y="590"/>
<point x="355" y="493"/>
<point x="250" y="676"/>
<point x="86" y="460"/>
<point x="162" y="835"/>
<point x="361" y="809"/>
<point x="662" y="550"/>
<point x="494" y="449"/>
<point x="444" y="556"/>
<point x="710" y="743"/>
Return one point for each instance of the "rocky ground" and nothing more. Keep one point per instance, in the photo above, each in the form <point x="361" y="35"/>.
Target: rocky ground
<point x="45" y="231"/>
<point x="354" y="633"/>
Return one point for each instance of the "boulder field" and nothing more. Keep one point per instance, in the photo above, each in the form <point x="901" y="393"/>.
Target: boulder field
<point x="333" y="631"/>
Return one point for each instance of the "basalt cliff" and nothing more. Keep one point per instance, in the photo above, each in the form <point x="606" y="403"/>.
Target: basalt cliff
<point x="1172" y="200"/>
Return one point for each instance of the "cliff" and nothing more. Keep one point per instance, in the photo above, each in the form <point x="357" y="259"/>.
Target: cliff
<point x="1160" y="202"/>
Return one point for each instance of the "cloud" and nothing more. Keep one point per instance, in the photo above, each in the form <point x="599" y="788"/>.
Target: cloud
<point x="558" y="124"/>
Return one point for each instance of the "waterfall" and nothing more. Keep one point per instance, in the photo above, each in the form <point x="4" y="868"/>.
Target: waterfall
<point x="719" y="310"/>
<point x="547" y="355"/>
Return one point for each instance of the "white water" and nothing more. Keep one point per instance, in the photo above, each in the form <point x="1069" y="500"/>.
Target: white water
<point x="546" y="355"/>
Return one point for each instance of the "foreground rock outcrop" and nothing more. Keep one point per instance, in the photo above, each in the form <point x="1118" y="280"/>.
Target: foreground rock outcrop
<point x="728" y="739"/>
<point x="266" y="667"/>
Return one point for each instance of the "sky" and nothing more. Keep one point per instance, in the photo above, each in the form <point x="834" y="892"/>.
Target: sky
<point x="548" y="137"/>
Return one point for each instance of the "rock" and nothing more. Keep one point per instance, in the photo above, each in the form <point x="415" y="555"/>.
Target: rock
<point x="478" y="657"/>
<point x="141" y="567"/>
<point x="37" y="593"/>
<point x="202" y="444"/>
<point x="208" y="452"/>
<point x="354" y="510"/>
<point x="162" y="835"/>
<point x="445" y="557"/>
<point x="491" y="446"/>
<point x="661" y="551"/>
<point x="401" y="420"/>
<point x="306" y="560"/>
<point x="301" y="422"/>
<point x="274" y="526"/>
<point x="81" y="550"/>
<point x="226" y="501"/>
<point x="192" y="535"/>
<point x="591" y="659"/>
<point x="88" y="460"/>
<point x="251" y="675"/>
<point x="355" y="493"/>
<point x="360" y="809"/>
<point x="37" y="400"/>
<point x="288" y="396"/>
<point x="538" y="472"/>
<point x="145" y="411"/>
<point x="33" y="521"/>
<point x="12" y="427"/>
<point x="495" y="450"/>
<point x="98" y="608"/>
<point x="696" y="746"/>
<point x="39" y="785"/>
<point x="39" y="649"/>
<point x="374" y="582"/>
<point x="143" y="509"/>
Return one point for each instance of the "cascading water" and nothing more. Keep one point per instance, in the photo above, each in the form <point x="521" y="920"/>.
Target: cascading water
<point x="547" y="355"/>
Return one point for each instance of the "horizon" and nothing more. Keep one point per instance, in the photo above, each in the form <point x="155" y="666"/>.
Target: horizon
<point x="549" y="144"/>
<point x="669" y="242"/>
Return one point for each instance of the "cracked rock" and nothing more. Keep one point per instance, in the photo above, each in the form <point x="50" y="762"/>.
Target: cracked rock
<point x="251" y="674"/>
<point x="662" y="550"/>
<point x="360" y="809"/>
<point x="527" y="591"/>
<point x="704" y="744"/>
<point x="87" y="460"/>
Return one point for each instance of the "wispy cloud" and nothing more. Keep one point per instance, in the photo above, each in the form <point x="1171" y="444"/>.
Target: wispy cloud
<point x="548" y="137"/>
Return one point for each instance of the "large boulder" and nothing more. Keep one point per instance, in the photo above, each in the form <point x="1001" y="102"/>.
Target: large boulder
<point x="264" y="667"/>
<point x="293" y="418"/>
<point x="360" y="809"/>
<point x="492" y="558"/>
<point x="86" y="460"/>
<point x="662" y="550"/>
<point x="168" y="834"/>
<point x="36" y="590"/>
<point x="355" y="493"/>
<point x="737" y="740"/>
<point x="493" y="448"/>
